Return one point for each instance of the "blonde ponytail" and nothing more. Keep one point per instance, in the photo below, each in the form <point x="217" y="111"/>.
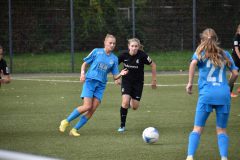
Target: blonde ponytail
<point x="210" y="45"/>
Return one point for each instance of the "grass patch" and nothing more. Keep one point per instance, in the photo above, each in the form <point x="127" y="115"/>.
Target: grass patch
<point x="31" y="111"/>
<point x="61" y="62"/>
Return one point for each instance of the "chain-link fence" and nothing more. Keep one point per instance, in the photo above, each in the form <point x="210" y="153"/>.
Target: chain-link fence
<point x="42" y="26"/>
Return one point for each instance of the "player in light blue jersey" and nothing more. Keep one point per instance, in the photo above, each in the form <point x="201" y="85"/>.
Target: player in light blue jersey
<point x="101" y="61"/>
<point x="214" y="90"/>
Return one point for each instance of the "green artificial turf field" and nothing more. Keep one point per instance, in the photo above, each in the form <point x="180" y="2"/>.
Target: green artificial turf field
<point x="32" y="106"/>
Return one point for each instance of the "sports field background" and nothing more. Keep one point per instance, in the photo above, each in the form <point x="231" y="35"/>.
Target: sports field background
<point x="37" y="37"/>
<point x="33" y="105"/>
<point x="60" y="62"/>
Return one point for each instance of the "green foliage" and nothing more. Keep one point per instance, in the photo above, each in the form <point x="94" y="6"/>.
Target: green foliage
<point x="44" y="26"/>
<point x="96" y="20"/>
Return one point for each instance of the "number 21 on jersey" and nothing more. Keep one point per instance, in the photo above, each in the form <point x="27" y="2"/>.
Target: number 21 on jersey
<point x="210" y="76"/>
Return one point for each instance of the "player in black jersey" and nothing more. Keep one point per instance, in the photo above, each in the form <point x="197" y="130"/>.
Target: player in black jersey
<point x="4" y="71"/>
<point x="134" y="60"/>
<point x="236" y="56"/>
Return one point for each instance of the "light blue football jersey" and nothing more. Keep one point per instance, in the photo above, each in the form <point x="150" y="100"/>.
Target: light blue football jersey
<point x="101" y="64"/>
<point x="212" y="81"/>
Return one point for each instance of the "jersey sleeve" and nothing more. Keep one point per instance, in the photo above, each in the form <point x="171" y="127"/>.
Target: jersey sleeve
<point x="90" y="58"/>
<point x="146" y="59"/>
<point x="115" y="70"/>
<point x="233" y="66"/>
<point x="235" y="41"/>
<point x="194" y="57"/>
<point x="5" y="68"/>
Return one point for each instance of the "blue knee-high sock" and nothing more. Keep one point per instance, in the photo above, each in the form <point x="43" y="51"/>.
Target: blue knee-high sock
<point x="73" y="115"/>
<point x="194" y="138"/>
<point x="83" y="120"/>
<point x="223" y="143"/>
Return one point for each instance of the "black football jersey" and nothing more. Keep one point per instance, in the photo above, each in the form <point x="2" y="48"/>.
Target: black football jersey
<point x="135" y="65"/>
<point x="236" y="42"/>
<point x="3" y="67"/>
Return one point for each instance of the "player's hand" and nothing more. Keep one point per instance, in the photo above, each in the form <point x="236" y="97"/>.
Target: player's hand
<point x="154" y="84"/>
<point x="124" y="72"/>
<point x="82" y="78"/>
<point x="189" y="88"/>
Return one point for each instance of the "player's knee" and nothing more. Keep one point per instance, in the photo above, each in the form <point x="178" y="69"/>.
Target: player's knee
<point x="125" y="104"/>
<point x="198" y="129"/>
<point x="134" y="107"/>
<point x="221" y="130"/>
<point x="134" y="104"/>
<point x="84" y="108"/>
<point x="89" y="115"/>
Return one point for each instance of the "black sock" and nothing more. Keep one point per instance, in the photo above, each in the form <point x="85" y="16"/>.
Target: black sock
<point x="231" y="87"/>
<point x="123" y="116"/>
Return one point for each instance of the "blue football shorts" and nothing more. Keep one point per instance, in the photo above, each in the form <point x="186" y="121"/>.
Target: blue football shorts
<point x="204" y="110"/>
<point x="93" y="88"/>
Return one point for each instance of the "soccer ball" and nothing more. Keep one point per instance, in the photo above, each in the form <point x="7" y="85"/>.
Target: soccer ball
<point x="150" y="135"/>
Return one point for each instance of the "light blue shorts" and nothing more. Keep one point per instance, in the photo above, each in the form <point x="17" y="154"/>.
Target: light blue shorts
<point x="93" y="88"/>
<point x="204" y="110"/>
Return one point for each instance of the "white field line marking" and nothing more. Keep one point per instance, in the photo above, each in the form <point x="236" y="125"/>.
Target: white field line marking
<point x="71" y="81"/>
<point x="45" y="80"/>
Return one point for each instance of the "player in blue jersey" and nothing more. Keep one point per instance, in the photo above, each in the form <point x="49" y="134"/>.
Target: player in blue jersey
<point x="236" y="56"/>
<point x="214" y="90"/>
<point x="101" y="61"/>
<point x="4" y="71"/>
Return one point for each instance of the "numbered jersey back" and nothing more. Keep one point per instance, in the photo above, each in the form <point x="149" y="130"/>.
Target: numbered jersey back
<point x="212" y="83"/>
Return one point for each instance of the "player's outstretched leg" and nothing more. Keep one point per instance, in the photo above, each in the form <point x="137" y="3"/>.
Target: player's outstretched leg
<point x="123" y="117"/>
<point x="66" y="122"/>
<point x="83" y="120"/>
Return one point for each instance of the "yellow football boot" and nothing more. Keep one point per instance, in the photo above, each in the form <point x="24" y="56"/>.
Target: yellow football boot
<point x="189" y="158"/>
<point x="63" y="125"/>
<point x="74" y="133"/>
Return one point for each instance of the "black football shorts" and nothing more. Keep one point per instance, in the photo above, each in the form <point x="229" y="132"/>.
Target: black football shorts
<point x="133" y="89"/>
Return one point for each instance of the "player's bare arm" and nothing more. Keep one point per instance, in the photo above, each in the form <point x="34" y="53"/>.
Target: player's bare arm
<point x="191" y="76"/>
<point x="154" y="75"/>
<point x="83" y="69"/>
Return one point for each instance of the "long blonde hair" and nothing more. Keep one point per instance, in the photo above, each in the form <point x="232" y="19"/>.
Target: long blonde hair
<point x="210" y="45"/>
<point x="138" y="42"/>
